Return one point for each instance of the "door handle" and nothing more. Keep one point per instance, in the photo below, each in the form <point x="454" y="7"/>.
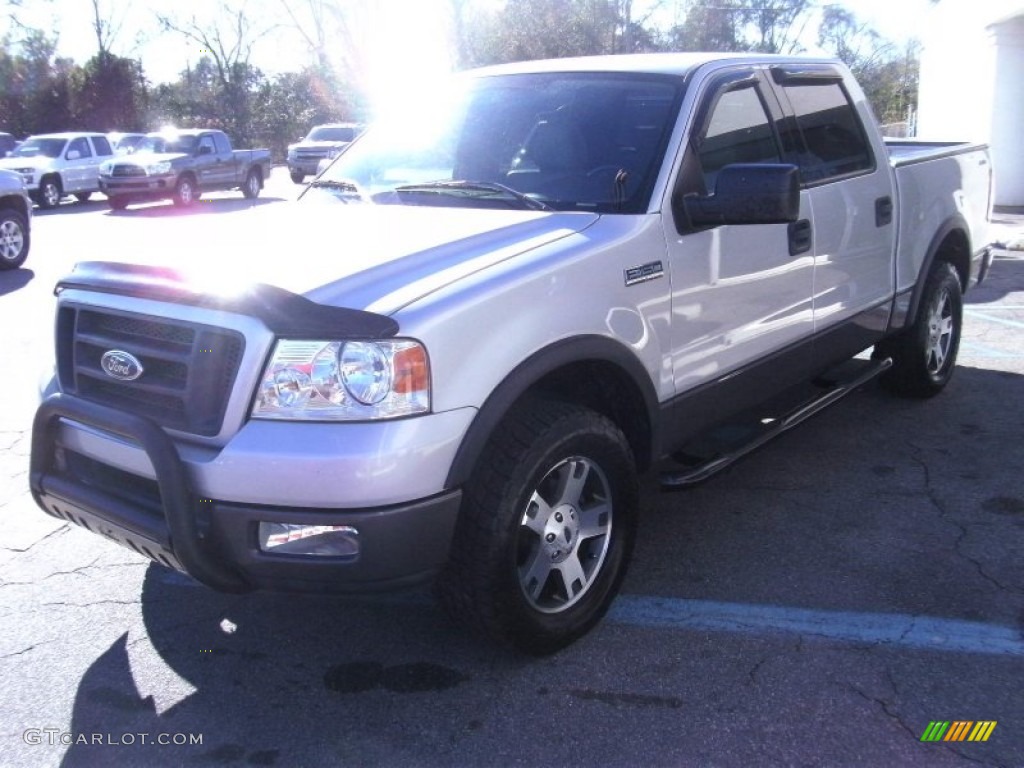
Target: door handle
<point x="883" y="211"/>
<point x="800" y="237"/>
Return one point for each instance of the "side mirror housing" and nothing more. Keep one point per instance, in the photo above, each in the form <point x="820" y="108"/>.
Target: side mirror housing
<point x="748" y="193"/>
<point x="204" y="150"/>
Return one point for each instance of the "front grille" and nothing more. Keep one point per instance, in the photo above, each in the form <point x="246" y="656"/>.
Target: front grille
<point x="311" y="154"/>
<point x="188" y="369"/>
<point x="121" y="170"/>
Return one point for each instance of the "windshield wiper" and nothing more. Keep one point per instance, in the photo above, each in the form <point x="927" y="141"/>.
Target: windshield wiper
<point x="475" y="188"/>
<point x="348" y="189"/>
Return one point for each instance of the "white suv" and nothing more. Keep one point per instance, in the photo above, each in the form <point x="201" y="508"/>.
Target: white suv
<point x="15" y="221"/>
<point x="58" y="164"/>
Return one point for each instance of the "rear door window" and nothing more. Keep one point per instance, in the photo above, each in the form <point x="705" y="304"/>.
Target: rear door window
<point x="827" y="140"/>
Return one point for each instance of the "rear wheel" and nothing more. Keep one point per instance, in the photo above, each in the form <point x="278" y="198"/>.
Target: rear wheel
<point x="546" y="529"/>
<point x="14" y="239"/>
<point x="924" y="354"/>
<point x="252" y="186"/>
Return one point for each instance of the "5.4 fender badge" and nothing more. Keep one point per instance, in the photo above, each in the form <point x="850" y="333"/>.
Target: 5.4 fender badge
<point x="121" y="365"/>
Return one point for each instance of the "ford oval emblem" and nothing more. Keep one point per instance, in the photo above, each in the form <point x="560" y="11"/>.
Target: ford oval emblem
<point x="123" y="366"/>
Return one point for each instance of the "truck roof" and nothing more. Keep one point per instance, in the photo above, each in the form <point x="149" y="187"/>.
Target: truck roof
<point x="643" y="63"/>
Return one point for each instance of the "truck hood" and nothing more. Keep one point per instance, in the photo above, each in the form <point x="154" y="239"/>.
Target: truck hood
<point x="377" y="258"/>
<point x="148" y="158"/>
<point x="39" y="162"/>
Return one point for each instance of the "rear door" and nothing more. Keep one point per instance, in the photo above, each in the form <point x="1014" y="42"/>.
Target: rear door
<point x="850" y="190"/>
<point x="78" y="159"/>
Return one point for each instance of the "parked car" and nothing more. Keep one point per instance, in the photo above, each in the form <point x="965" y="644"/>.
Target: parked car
<point x="125" y="143"/>
<point x="324" y="142"/>
<point x="15" y="220"/>
<point x="7" y="144"/>
<point x="454" y="355"/>
<point x="58" y="164"/>
<point x="181" y="165"/>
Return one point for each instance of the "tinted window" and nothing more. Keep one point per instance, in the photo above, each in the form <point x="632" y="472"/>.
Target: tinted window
<point x="221" y="140"/>
<point x="738" y="131"/>
<point x="830" y="140"/>
<point x="102" y="145"/>
<point x="81" y="146"/>
<point x="332" y="133"/>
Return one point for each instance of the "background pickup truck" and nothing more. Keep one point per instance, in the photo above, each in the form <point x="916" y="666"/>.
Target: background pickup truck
<point x="182" y="165"/>
<point x="573" y="271"/>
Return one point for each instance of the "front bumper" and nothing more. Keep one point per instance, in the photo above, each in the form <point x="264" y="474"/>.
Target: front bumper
<point x="215" y="541"/>
<point x="306" y="165"/>
<point x="137" y="186"/>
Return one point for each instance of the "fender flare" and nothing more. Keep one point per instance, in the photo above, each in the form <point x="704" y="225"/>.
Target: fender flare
<point x="529" y="372"/>
<point x="955" y="223"/>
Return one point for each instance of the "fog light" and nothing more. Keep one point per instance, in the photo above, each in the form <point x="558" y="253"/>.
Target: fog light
<point x="320" y="540"/>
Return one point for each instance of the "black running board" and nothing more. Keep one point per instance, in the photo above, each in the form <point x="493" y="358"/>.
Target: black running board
<point x="673" y="481"/>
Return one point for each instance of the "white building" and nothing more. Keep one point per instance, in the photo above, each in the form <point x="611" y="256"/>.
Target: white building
<point x="972" y="84"/>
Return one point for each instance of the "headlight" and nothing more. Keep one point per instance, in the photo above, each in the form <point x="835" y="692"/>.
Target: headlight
<point x="158" y="169"/>
<point x="29" y="171"/>
<point x="348" y="381"/>
<point x="107" y="167"/>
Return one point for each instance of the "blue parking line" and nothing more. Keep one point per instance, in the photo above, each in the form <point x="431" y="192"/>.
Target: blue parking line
<point x="999" y="320"/>
<point x="890" y="629"/>
<point x="981" y="350"/>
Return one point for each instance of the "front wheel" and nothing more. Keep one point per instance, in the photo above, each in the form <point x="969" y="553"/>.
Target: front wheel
<point x="117" y="203"/>
<point x="297" y="176"/>
<point x="14" y="239"/>
<point x="185" y="192"/>
<point x="83" y="197"/>
<point x="50" y="193"/>
<point x="924" y="354"/>
<point x="546" y="529"/>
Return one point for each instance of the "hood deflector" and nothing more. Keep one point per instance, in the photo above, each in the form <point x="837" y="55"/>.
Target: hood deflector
<point x="287" y="314"/>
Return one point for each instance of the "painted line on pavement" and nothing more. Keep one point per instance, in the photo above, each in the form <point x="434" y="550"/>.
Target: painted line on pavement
<point x="891" y="629"/>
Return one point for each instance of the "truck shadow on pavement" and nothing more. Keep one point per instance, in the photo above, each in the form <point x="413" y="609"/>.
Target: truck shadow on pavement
<point x="199" y="208"/>
<point x="879" y="505"/>
<point x="15" y="279"/>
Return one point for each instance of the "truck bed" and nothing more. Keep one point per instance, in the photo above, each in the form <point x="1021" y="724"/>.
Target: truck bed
<point x="907" y="151"/>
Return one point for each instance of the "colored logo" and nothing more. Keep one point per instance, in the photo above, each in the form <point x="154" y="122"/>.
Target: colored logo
<point x="958" y="730"/>
<point x="121" y="365"/>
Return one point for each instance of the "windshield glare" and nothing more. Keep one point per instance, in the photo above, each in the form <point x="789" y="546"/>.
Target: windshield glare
<point x="574" y="141"/>
<point x="169" y="144"/>
<point x="40" y="148"/>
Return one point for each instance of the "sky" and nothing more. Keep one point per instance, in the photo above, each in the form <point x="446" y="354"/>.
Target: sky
<point x="400" y="48"/>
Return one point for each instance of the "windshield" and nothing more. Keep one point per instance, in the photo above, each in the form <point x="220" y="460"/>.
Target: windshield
<point x="40" y="148"/>
<point x="335" y="133"/>
<point x="170" y="143"/>
<point x="571" y="141"/>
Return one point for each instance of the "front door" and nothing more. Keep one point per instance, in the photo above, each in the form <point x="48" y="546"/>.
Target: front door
<point x="740" y="294"/>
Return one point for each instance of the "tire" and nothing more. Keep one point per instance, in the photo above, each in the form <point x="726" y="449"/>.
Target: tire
<point x="117" y="203"/>
<point x="185" y="192"/>
<point x="83" y="197"/>
<point x="49" y="194"/>
<point x="553" y="498"/>
<point x="924" y="354"/>
<point x="253" y="185"/>
<point x="297" y="177"/>
<point x="14" y="239"/>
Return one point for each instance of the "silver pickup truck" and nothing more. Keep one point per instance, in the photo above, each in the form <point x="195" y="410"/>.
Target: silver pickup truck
<point x="494" y="317"/>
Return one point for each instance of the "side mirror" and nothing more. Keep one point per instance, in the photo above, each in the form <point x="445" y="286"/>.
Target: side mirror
<point x="754" y="193"/>
<point x="205" y="150"/>
<point x="73" y="154"/>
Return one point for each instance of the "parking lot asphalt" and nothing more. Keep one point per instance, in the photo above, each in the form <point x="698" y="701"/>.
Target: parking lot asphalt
<point x="822" y="602"/>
